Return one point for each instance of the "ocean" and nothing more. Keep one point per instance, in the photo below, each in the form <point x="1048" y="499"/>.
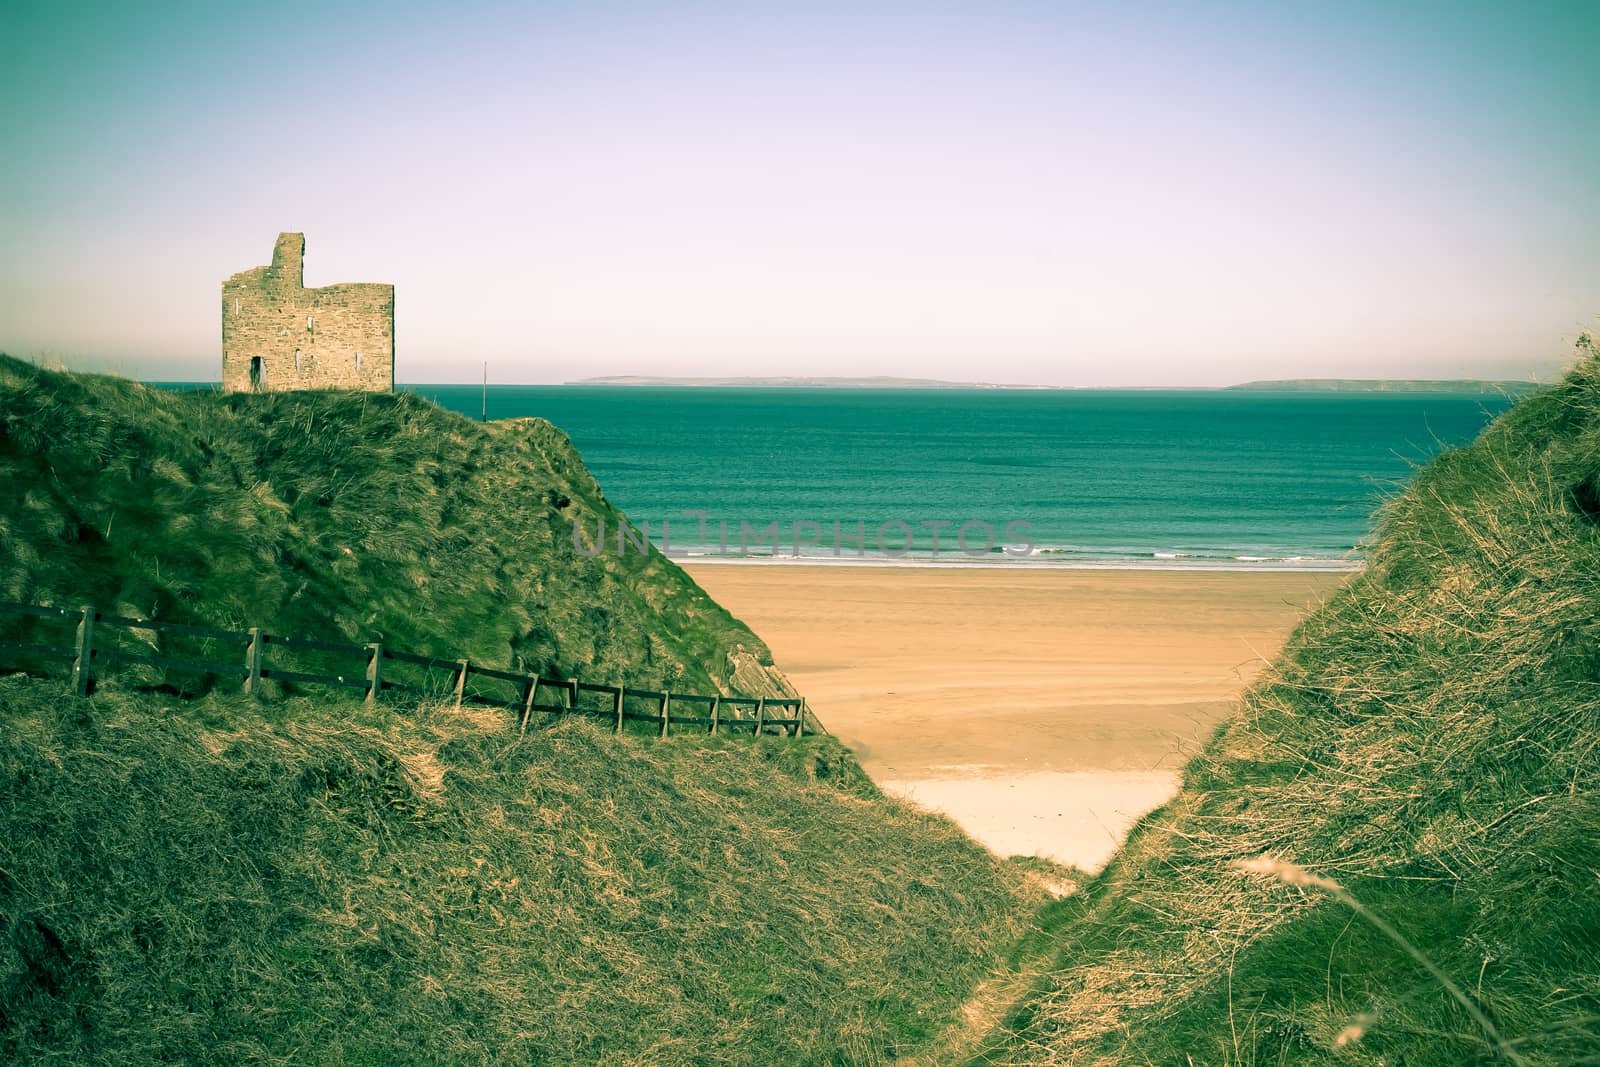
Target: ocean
<point x="1091" y="478"/>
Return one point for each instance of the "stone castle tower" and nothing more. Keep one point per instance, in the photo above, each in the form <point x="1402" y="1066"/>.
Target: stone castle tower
<point x="279" y="335"/>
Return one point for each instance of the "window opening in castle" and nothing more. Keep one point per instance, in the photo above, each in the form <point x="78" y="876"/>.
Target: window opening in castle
<point x="258" y="373"/>
<point x="358" y="361"/>
<point x="297" y="361"/>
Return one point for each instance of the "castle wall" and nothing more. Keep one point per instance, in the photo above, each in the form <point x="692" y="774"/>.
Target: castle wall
<point x="305" y="338"/>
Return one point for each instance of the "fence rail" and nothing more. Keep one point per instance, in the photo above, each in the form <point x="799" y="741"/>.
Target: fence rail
<point x="663" y="709"/>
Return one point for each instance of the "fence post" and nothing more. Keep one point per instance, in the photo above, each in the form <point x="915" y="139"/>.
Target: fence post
<point x="374" y="671"/>
<point x="618" y="709"/>
<point x="716" y="710"/>
<point x="82" y="667"/>
<point x="572" y="694"/>
<point x="761" y="715"/>
<point x="252" y="663"/>
<point x="800" y="719"/>
<point x="666" y="703"/>
<point x="527" y="703"/>
<point x="461" y="681"/>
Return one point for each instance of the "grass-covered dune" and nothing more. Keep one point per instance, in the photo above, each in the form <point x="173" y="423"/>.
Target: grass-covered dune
<point x="192" y="875"/>
<point x="1392" y="854"/>
<point x="225" y="881"/>
<point x="188" y="875"/>
<point x="346" y="517"/>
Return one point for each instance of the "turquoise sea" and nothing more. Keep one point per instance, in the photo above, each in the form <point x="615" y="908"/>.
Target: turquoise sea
<point x="1153" y="478"/>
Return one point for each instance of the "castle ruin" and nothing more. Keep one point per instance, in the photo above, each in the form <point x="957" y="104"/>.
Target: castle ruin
<point x="278" y="335"/>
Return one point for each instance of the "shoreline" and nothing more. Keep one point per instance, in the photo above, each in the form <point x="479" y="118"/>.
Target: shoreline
<point x="1045" y="709"/>
<point x="1236" y="565"/>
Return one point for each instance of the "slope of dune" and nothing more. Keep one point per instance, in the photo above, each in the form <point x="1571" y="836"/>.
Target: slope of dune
<point x="190" y="875"/>
<point x="346" y="516"/>
<point x="1392" y="853"/>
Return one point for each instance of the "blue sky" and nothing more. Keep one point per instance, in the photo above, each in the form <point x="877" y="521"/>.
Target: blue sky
<point x="1051" y="193"/>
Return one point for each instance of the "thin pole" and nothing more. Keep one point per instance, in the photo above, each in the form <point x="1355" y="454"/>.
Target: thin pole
<point x="83" y="662"/>
<point x="374" y="671"/>
<point x="527" y="703"/>
<point x="485" y="416"/>
<point x="252" y="663"/>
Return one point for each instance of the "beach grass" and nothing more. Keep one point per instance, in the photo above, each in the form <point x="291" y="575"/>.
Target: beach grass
<point x="190" y="875"/>
<point x="233" y="881"/>
<point x="1388" y="856"/>
<point x="1421" y="760"/>
<point x="348" y="517"/>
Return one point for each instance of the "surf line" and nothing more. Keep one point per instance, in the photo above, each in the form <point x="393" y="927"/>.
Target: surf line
<point x="894" y="539"/>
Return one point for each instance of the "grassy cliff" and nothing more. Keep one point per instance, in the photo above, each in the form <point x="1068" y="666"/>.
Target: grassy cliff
<point x="1392" y="854"/>
<point x="345" y="516"/>
<point x="188" y="875"/>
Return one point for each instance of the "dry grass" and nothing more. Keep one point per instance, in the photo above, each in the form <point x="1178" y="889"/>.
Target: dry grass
<point x="189" y="876"/>
<point x="239" y="883"/>
<point x="1427" y="743"/>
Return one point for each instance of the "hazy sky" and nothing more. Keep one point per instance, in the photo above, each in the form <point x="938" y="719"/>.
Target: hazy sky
<point x="1183" y="193"/>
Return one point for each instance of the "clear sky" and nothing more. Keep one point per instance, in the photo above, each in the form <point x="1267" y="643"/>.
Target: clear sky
<point x="1055" y="193"/>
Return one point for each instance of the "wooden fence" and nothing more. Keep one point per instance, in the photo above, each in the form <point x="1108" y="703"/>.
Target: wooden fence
<point x="384" y="670"/>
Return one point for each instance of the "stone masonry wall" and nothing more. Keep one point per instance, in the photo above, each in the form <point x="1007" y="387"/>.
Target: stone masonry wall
<point x="336" y="337"/>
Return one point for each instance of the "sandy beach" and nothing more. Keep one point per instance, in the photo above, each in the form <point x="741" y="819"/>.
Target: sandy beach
<point x="1044" y="710"/>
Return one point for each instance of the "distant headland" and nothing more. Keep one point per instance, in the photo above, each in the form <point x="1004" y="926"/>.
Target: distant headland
<point x="1292" y="385"/>
<point x="873" y="382"/>
<point x="1393" y="385"/>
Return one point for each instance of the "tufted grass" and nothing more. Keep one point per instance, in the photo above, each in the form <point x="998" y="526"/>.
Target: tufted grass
<point x="191" y="876"/>
<point x="225" y="881"/>
<point x="1392" y="854"/>
<point x="350" y="517"/>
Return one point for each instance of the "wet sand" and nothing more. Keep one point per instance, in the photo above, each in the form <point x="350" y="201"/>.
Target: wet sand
<point x="1044" y="710"/>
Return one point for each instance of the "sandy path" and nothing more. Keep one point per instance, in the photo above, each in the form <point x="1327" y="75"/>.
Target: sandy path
<point x="1044" y="710"/>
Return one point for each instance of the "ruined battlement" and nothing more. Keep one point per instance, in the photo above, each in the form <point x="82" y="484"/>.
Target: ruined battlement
<point x="278" y="335"/>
